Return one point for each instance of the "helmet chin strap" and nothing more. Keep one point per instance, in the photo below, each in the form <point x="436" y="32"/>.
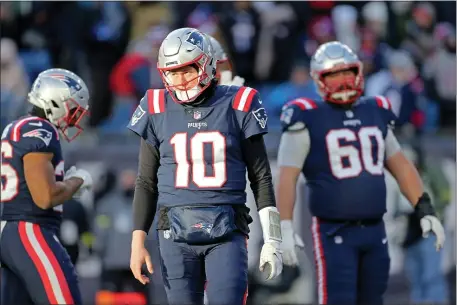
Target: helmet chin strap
<point x="187" y="94"/>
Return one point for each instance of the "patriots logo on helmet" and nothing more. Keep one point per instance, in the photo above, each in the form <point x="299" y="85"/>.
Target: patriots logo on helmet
<point x="137" y="115"/>
<point x="196" y="39"/>
<point x="40" y="133"/>
<point x="261" y="117"/>
<point x="72" y="84"/>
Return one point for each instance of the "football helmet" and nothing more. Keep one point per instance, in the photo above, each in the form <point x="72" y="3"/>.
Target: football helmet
<point x="332" y="57"/>
<point x="224" y="68"/>
<point x="186" y="47"/>
<point x="64" y="98"/>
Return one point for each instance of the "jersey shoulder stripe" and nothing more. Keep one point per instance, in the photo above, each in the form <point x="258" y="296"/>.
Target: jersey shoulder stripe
<point x="156" y="100"/>
<point x="243" y="99"/>
<point x="383" y="102"/>
<point x="303" y="103"/>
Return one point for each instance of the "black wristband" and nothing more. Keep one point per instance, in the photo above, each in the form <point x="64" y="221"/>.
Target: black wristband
<point x="424" y="206"/>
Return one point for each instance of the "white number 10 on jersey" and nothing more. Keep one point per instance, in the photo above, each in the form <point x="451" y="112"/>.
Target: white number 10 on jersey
<point x="357" y="159"/>
<point x="197" y="162"/>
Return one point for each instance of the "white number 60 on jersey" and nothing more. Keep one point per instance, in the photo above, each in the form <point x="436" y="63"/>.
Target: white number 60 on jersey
<point x="358" y="160"/>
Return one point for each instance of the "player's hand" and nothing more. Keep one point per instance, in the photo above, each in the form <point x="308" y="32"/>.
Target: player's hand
<point x="138" y="258"/>
<point x="290" y="240"/>
<point x="227" y="80"/>
<point x="432" y="224"/>
<point x="271" y="254"/>
<point x="237" y="81"/>
<point x="73" y="172"/>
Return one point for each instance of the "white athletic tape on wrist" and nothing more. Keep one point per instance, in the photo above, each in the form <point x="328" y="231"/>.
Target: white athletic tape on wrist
<point x="271" y="224"/>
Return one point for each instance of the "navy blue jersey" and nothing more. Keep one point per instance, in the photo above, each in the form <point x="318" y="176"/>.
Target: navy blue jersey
<point x="23" y="136"/>
<point x="201" y="160"/>
<point x="344" y="168"/>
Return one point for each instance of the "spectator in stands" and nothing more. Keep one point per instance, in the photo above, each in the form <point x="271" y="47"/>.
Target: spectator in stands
<point x="406" y="92"/>
<point x="373" y="36"/>
<point x="113" y="227"/>
<point x="14" y="83"/>
<point x="439" y="71"/>
<point x="136" y="71"/>
<point x="401" y="12"/>
<point x="419" y="30"/>
<point x="105" y="45"/>
<point x="319" y="30"/>
<point x="75" y="224"/>
<point x="299" y="85"/>
<point x="344" y="19"/>
<point x="240" y="26"/>
<point x="422" y="261"/>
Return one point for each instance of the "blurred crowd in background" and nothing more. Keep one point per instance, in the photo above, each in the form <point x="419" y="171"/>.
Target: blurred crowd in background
<point x="408" y="52"/>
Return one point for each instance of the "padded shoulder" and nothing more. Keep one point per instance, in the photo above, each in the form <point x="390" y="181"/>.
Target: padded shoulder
<point x="294" y="114"/>
<point x="244" y="98"/>
<point x="33" y="127"/>
<point x="154" y="100"/>
<point x="385" y="107"/>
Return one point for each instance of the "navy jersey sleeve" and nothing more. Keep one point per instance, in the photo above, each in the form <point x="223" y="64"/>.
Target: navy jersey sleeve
<point x="295" y="115"/>
<point x="250" y="112"/>
<point x="141" y="122"/>
<point x="35" y="135"/>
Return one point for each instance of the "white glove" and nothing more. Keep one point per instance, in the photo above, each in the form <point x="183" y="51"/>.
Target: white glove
<point x="289" y="240"/>
<point x="271" y="253"/>
<point x="226" y="79"/>
<point x="431" y="223"/>
<point x="237" y="81"/>
<point x="79" y="173"/>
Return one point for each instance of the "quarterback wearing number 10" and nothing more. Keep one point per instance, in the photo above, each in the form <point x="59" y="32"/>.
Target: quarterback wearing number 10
<point x="198" y="140"/>
<point x="342" y="146"/>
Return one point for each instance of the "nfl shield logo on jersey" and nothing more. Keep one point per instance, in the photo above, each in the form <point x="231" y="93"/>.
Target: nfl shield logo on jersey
<point x="197" y="115"/>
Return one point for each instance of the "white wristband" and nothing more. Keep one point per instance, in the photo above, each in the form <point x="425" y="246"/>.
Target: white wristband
<point x="271" y="226"/>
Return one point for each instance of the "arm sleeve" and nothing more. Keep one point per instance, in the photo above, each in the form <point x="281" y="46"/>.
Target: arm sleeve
<point x="294" y="148"/>
<point x="145" y="197"/>
<point x="259" y="172"/>
<point x="392" y="145"/>
<point x="253" y="115"/>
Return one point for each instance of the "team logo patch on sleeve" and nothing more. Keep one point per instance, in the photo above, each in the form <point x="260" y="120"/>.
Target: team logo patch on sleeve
<point x="261" y="117"/>
<point x="137" y="115"/>
<point x="40" y="133"/>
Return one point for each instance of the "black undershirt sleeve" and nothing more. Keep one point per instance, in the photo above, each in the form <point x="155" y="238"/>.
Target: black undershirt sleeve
<point x="145" y="197"/>
<point x="259" y="172"/>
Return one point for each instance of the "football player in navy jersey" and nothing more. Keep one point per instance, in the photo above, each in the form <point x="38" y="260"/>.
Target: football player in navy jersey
<point x="342" y="147"/>
<point x="198" y="139"/>
<point x="35" y="268"/>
